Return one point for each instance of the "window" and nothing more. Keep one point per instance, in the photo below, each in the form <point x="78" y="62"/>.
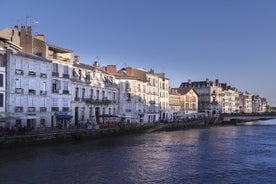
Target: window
<point x="83" y="93"/>
<point x="114" y="96"/>
<point x="65" y="102"/>
<point x="82" y="113"/>
<point x="2" y="61"/>
<point x="56" y="85"/>
<point x="43" y="86"/>
<point x="18" y="64"/>
<point x="18" y="101"/>
<point x="43" y="68"/>
<point x="42" y="122"/>
<point x="109" y="110"/>
<point x="42" y="102"/>
<point x="32" y="84"/>
<point x="65" y="69"/>
<point x="30" y="102"/>
<point x="79" y="74"/>
<point x="1" y="80"/>
<point x="55" y="67"/>
<point x="55" y="102"/>
<point x="103" y="95"/>
<point x="127" y="85"/>
<point x="76" y="92"/>
<point x="31" y="66"/>
<point x="97" y="94"/>
<point x="1" y="100"/>
<point x="90" y="112"/>
<point x="65" y="85"/>
<point x="91" y="93"/>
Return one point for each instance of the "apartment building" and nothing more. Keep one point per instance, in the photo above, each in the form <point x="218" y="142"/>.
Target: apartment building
<point x="29" y="86"/>
<point x="230" y="99"/>
<point x="209" y="95"/>
<point x="245" y="102"/>
<point x="163" y="88"/>
<point x="2" y="85"/>
<point x="258" y="104"/>
<point x="95" y="93"/>
<point x="61" y="69"/>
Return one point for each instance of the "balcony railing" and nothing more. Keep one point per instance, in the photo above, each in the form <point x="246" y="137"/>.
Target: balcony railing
<point x="18" y="109"/>
<point x="32" y="92"/>
<point x="97" y="102"/>
<point x="43" y="92"/>
<point x="43" y="109"/>
<point x="65" y="75"/>
<point x="43" y="75"/>
<point x="19" y="90"/>
<point x="55" y="91"/>
<point x="66" y="92"/>
<point x="32" y="73"/>
<point x="31" y="109"/>
<point x="55" y="74"/>
<point x="19" y="72"/>
<point x="65" y="109"/>
<point x="55" y="108"/>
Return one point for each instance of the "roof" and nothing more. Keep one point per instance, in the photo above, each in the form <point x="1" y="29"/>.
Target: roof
<point x="184" y="91"/>
<point x="59" y="49"/>
<point x="23" y="54"/>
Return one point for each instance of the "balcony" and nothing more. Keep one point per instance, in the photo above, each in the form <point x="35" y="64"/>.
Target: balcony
<point x="43" y="75"/>
<point x="55" y="74"/>
<point x="31" y="109"/>
<point x="18" y="109"/>
<point x="66" y="76"/>
<point x="55" y="91"/>
<point x="55" y="109"/>
<point x="31" y="92"/>
<point x="32" y="73"/>
<point x="19" y="72"/>
<point x="65" y="109"/>
<point x="65" y="92"/>
<point x="43" y="109"/>
<point x="97" y="102"/>
<point x="43" y="92"/>
<point x="19" y="90"/>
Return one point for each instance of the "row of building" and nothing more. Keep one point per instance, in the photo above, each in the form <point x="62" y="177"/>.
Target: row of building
<point x="43" y="85"/>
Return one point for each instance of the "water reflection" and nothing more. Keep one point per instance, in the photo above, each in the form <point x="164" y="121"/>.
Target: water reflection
<point x="232" y="154"/>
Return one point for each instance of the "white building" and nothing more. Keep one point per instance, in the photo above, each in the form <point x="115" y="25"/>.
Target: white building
<point x="2" y="86"/>
<point x="28" y="90"/>
<point x="95" y="93"/>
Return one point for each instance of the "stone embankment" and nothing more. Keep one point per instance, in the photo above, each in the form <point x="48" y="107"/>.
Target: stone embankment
<point x="79" y="134"/>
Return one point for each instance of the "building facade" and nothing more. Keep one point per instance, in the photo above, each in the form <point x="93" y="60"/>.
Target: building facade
<point x="209" y="95"/>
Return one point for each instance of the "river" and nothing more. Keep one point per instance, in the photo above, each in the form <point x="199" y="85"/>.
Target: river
<point x="225" y="154"/>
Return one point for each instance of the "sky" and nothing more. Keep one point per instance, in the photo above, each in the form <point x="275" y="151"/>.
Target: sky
<point x="230" y="40"/>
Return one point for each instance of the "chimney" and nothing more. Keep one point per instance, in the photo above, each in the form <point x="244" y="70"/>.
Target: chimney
<point x="217" y="82"/>
<point x="112" y="69"/>
<point x="128" y="70"/>
<point x="23" y="31"/>
<point x="151" y="71"/>
<point x="76" y="59"/>
<point x="190" y="81"/>
<point x="29" y="31"/>
<point x="96" y="64"/>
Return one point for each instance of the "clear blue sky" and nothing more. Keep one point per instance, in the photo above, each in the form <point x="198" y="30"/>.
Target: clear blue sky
<point x="232" y="40"/>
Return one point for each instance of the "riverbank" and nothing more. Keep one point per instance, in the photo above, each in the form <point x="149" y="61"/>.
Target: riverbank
<point x="83" y="134"/>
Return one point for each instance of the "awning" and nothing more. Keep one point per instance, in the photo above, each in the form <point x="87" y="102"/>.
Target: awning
<point x="64" y="116"/>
